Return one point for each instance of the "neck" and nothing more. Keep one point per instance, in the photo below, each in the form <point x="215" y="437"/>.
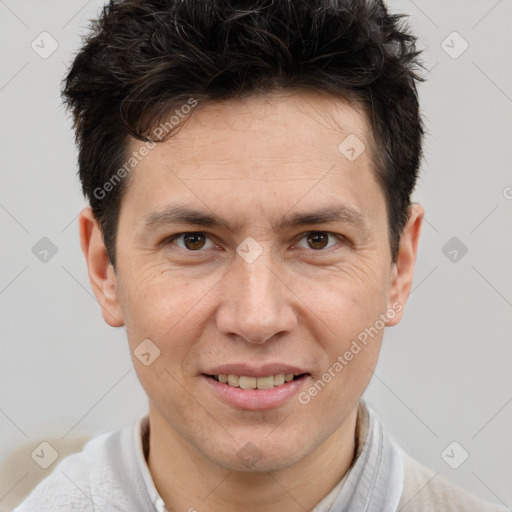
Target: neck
<point x="187" y="480"/>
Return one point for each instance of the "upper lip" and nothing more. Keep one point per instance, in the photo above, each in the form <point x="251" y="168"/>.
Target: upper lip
<point x="255" y="371"/>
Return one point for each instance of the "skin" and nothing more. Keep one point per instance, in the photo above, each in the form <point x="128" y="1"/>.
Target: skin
<point x="300" y="302"/>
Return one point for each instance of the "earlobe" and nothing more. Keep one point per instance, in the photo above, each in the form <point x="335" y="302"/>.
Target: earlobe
<point x="101" y="273"/>
<point x="403" y="270"/>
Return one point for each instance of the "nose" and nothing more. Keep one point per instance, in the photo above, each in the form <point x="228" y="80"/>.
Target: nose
<point x="257" y="303"/>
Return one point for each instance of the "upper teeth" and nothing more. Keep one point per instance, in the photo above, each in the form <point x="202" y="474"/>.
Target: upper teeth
<point x="241" y="381"/>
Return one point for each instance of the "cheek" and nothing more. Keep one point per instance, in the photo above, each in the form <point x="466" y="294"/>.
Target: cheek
<point x="351" y="347"/>
<point x="159" y="308"/>
<point x="169" y="309"/>
<point x="152" y="299"/>
<point x="347" y="303"/>
<point x="350" y="334"/>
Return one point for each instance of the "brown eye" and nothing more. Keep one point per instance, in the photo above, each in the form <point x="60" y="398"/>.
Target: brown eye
<point x="318" y="240"/>
<point x="193" y="242"/>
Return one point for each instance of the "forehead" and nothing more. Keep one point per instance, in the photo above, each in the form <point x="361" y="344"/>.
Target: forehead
<point x="264" y="152"/>
<point x="279" y="127"/>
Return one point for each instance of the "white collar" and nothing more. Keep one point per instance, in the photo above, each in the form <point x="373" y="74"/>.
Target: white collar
<point x="141" y="428"/>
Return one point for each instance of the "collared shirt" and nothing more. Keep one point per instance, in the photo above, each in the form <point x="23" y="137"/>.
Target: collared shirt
<point x="111" y="474"/>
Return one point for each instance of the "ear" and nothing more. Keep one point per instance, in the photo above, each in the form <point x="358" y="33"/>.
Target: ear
<point x="403" y="269"/>
<point x="101" y="272"/>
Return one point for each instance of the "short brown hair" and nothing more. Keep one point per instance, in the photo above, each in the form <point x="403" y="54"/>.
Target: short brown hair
<point x="144" y="58"/>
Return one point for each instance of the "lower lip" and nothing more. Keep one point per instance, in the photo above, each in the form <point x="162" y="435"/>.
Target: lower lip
<point x="256" y="399"/>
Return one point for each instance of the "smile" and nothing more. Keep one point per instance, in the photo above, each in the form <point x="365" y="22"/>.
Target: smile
<point x="245" y="382"/>
<point x="255" y="393"/>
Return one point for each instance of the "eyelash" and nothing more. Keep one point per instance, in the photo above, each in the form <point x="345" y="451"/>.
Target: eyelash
<point x="171" y="239"/>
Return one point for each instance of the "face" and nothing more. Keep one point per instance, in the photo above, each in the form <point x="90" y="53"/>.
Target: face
<point x="282" y="269"/>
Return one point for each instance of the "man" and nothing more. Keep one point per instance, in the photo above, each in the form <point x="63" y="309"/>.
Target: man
<point x="249" y="170"/>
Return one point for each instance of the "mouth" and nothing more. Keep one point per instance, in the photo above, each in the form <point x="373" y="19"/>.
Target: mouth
<point x="264" y="388"/>
<point x="249" y="382"/>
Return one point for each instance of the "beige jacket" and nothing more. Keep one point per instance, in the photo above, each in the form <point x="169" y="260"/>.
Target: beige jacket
<point x="425" y="490"/>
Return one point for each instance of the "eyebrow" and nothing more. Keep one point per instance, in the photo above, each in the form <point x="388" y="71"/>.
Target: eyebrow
<point x="184" y="215"/>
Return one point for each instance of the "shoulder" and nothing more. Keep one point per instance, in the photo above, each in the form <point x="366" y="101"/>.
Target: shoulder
<point x="87" y="480"/>
<point x="425" y="490"/>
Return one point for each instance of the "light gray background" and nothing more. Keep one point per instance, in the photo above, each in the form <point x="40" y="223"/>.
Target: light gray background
<point x="444" y="373"/>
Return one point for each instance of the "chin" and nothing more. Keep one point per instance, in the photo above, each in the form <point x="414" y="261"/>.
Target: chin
<point x="259" y="455"/>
